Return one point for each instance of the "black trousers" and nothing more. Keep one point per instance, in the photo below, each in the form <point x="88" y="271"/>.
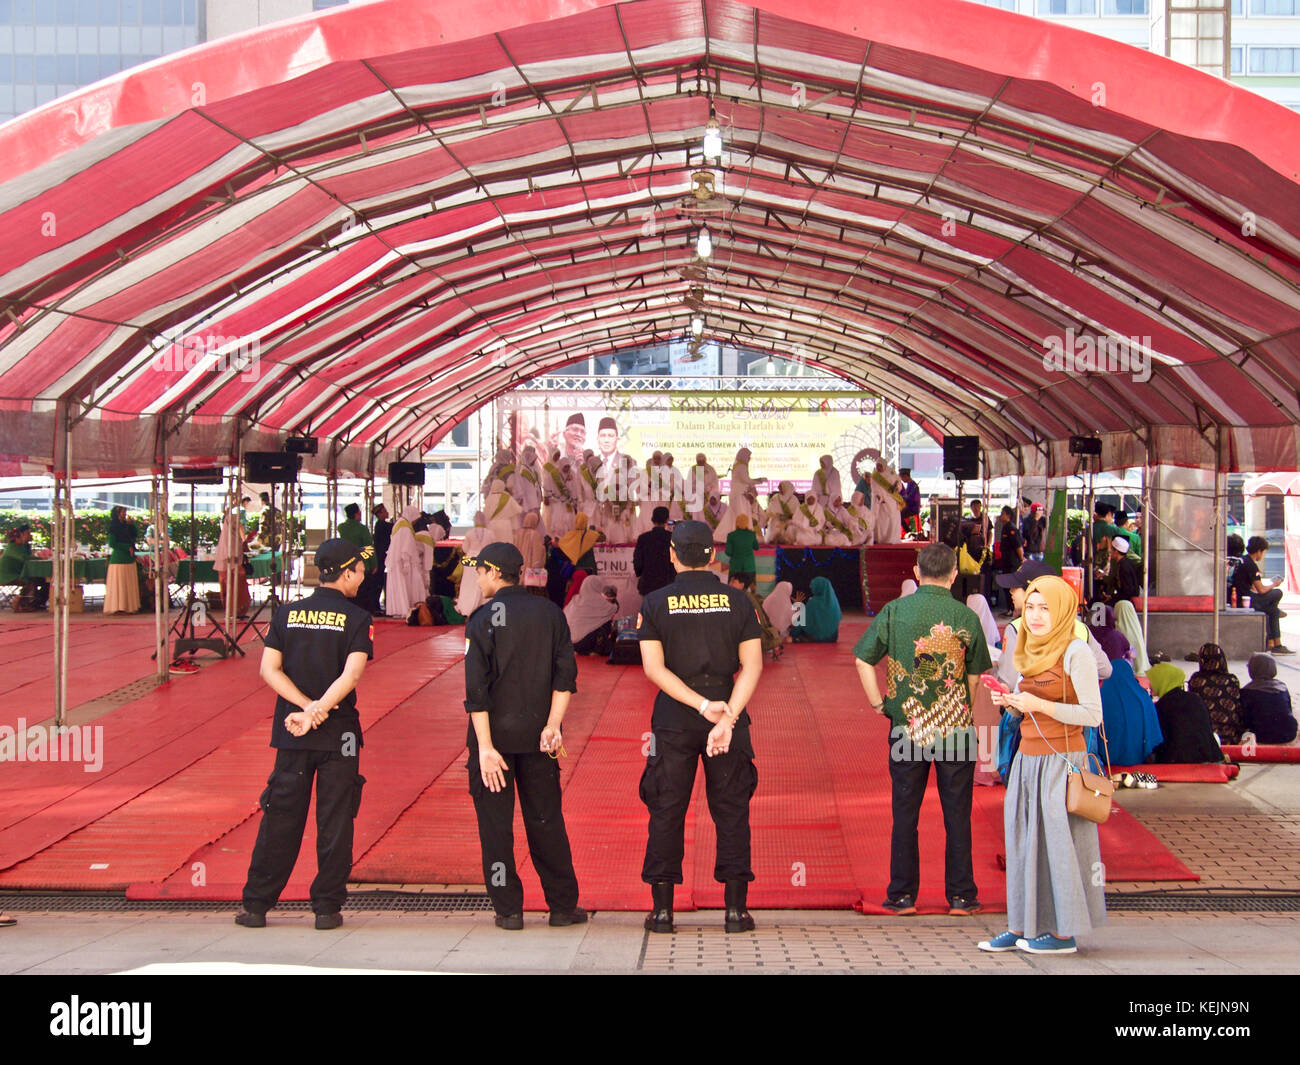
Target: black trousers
<point x="908" y="775"/>
<point x="666" y="785"/>
<point x="537" y="777"/>
<point x="284" y="816"/>
<point x="372" y="584"/>
<point x="1269" y="604"/>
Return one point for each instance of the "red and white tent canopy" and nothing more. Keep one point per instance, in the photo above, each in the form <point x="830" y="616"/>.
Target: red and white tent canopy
<point x="371" y="221"/>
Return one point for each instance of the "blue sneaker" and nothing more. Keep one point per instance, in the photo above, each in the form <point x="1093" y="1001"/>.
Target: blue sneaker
<point x="1004" y="941"/>
<point x="1047" y="944"/>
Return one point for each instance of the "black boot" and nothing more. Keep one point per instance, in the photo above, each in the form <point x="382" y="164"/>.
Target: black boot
<point x="738" y="918"/>
<point x="660" y="918"/>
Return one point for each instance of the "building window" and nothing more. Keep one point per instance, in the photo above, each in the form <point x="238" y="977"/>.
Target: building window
<point x="321" y="5"/>
<point x="1237" y="7"/>
<point x="1274" y="60"/>
<point x="1006" y="5"/>
<point x="1067" y="7"/>
<point x="1125" y="7"/>
<point x="1272" y="7"/>
<point x="1236" y="65"/>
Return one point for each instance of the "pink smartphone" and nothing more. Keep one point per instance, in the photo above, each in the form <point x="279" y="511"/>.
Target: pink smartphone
<point x="993" y="684"/>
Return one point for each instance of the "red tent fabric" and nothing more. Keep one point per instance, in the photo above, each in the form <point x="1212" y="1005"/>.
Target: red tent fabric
<point x="366" y="223"/>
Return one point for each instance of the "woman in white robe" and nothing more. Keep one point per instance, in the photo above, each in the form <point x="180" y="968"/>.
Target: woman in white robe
<point x="502" y="469"/>
<point x="403" y="564"/>
<point x="808" y="523"/>
<point x="826" y="479"/>
<point x="779" y="607"/>
<point x="885" y="506"/>
<point x="504" y="514"/>
<point x="861" y="523"/>
<point x="586" y="481"/>
<point x="701" y="482"/>
<point x="675" y="488"/>
<point x="526" y="485"/>
<point x="469" y="597"/>
<point x="559" y="503"/>
<point x="740" y="498"/>
<point x="838" y="527"/>
<point x="781" y="506"/>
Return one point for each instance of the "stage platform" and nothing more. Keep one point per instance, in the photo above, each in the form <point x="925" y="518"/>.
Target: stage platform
<point x="171" y="810"/>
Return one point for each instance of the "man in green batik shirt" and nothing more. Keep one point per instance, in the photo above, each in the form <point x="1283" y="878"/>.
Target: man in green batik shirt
<point x="936" y="651"/>
<point x="353" y="529"/>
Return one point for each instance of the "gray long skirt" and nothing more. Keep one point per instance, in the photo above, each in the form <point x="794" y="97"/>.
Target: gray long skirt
<point x="1055" y="879"/>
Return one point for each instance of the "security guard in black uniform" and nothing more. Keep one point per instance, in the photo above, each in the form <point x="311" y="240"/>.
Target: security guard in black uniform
<point x="695" y="634"/>
<point x="316" y="651"/>
<point x="519" y="674"/>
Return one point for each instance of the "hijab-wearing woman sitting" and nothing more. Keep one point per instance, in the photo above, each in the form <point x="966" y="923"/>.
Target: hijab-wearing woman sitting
<point x="590" y="616"/>
<point x="1220" y="691"/>
<point x="1053" y="892"/>
<point x="1126" y="621"/>
<point x="1184" y="721"/>
<point x="1266" y="703"/>
<point x="1112" y="641"/>
<point x="779" y="607"/>
<point x="122" y="589"/>
<point x="821" y="615"/>
<point x="1132" y="725"/>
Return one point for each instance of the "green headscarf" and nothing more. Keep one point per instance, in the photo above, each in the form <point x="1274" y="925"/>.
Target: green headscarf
<point x="1165" y="677"/>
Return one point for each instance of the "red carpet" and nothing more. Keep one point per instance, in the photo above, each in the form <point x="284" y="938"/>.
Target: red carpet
<point x="1183" y="772"/>
<point x="173" y="813"/>
<point x="1264" y="752"/>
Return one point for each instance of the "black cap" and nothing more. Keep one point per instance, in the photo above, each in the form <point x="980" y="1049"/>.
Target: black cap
<point x="693" y="542"/>
<point x="500" y="556"/>
<point x="336" y="555"/>
<point x="1027" y="572"/>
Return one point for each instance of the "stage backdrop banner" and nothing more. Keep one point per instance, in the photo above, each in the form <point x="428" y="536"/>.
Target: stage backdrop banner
<point x="786" y="432"/>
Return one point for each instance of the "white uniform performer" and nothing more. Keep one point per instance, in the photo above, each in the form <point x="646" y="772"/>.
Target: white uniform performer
<point x="676" y="488"/>
<point x="559" y="503"/>
<point x="781" y="506"/>
<point x="701" y="484"/>
<point x="526" y="485"/>
<point x="809" y="520"/>
<point x="837" y="531"/>
<point x="741" y="499"/>
<point x="826" y="481"/>
<point x="585" y="484"/>
<point x="403" y="565"/>
<point x="886" y="508"/>
<point x="475" y="540"/>
<point x="861" y="523"/>
<point x="502" y="469"/>
<point x="504" y="514"/>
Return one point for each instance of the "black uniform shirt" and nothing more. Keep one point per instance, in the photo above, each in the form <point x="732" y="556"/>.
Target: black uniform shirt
<point x="517" y="652"/>
<point x="701" y="623"/>
<point x="314" y="636"/>
<point x="1244" y="578"/>
<point x="650" y="560"/>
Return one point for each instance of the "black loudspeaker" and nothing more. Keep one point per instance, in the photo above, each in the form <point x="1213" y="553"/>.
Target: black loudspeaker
<point x="200" y="475"/>
<point x="1085" y="445"/>
<point x="406" y="473"/>
<point x="961" y="457"/>
<point x="301" y="445"/>
<point x="271" y="467"/>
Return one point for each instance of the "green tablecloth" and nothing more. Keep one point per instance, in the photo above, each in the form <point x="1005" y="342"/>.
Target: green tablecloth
<point x="84" y="570"/>
<point x="265" y="565"/>
<point x="204" y="571"/>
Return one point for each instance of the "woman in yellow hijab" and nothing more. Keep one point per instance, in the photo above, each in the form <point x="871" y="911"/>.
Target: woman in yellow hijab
<point x="1054" y="885"/>
<point x="578" y="541"/>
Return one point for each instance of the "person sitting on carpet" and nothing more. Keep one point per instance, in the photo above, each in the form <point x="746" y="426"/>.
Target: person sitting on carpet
<point x="1220" y="691"/>
<point x="779" y="608"/>
<point x="821" y="615"/>
<point x="1184" y="721"/>
<point x="744" y="582"/>
<point x="1266" y="703"/>
<point x="1053" y="892"/>
<point x="1112" y="641"/>
<point x="1132" y="725"/>
<point x="590" y="616"/>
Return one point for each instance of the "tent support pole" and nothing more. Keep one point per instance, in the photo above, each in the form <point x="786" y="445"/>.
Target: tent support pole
<point x="1217" y="587"/>
<point x="162" y="554"/>
<point x="63" y="568"/>
<point x="1146" y="546"/>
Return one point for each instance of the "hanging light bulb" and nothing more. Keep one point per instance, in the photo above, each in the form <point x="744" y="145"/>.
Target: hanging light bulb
<point x="704" y="243"/>
<point x="712" y="139"/>
<point x="697" y="325"/>
<point x="771" y="366"/>
<point x="613" y="367"/>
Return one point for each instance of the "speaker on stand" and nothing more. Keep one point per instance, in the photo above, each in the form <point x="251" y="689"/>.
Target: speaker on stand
<point x="961" y="458"/>
<point x="187" y="640"/>
<point x="272" y="467"/>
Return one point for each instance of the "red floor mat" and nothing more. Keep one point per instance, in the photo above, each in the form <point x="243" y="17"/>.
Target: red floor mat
<point x="1183" y="772"/>
<point x="1264" y="752"/>
<point x="821" y="815"/>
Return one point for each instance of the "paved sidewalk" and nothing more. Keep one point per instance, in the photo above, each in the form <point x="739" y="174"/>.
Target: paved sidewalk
<point x="786" y="942"/>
